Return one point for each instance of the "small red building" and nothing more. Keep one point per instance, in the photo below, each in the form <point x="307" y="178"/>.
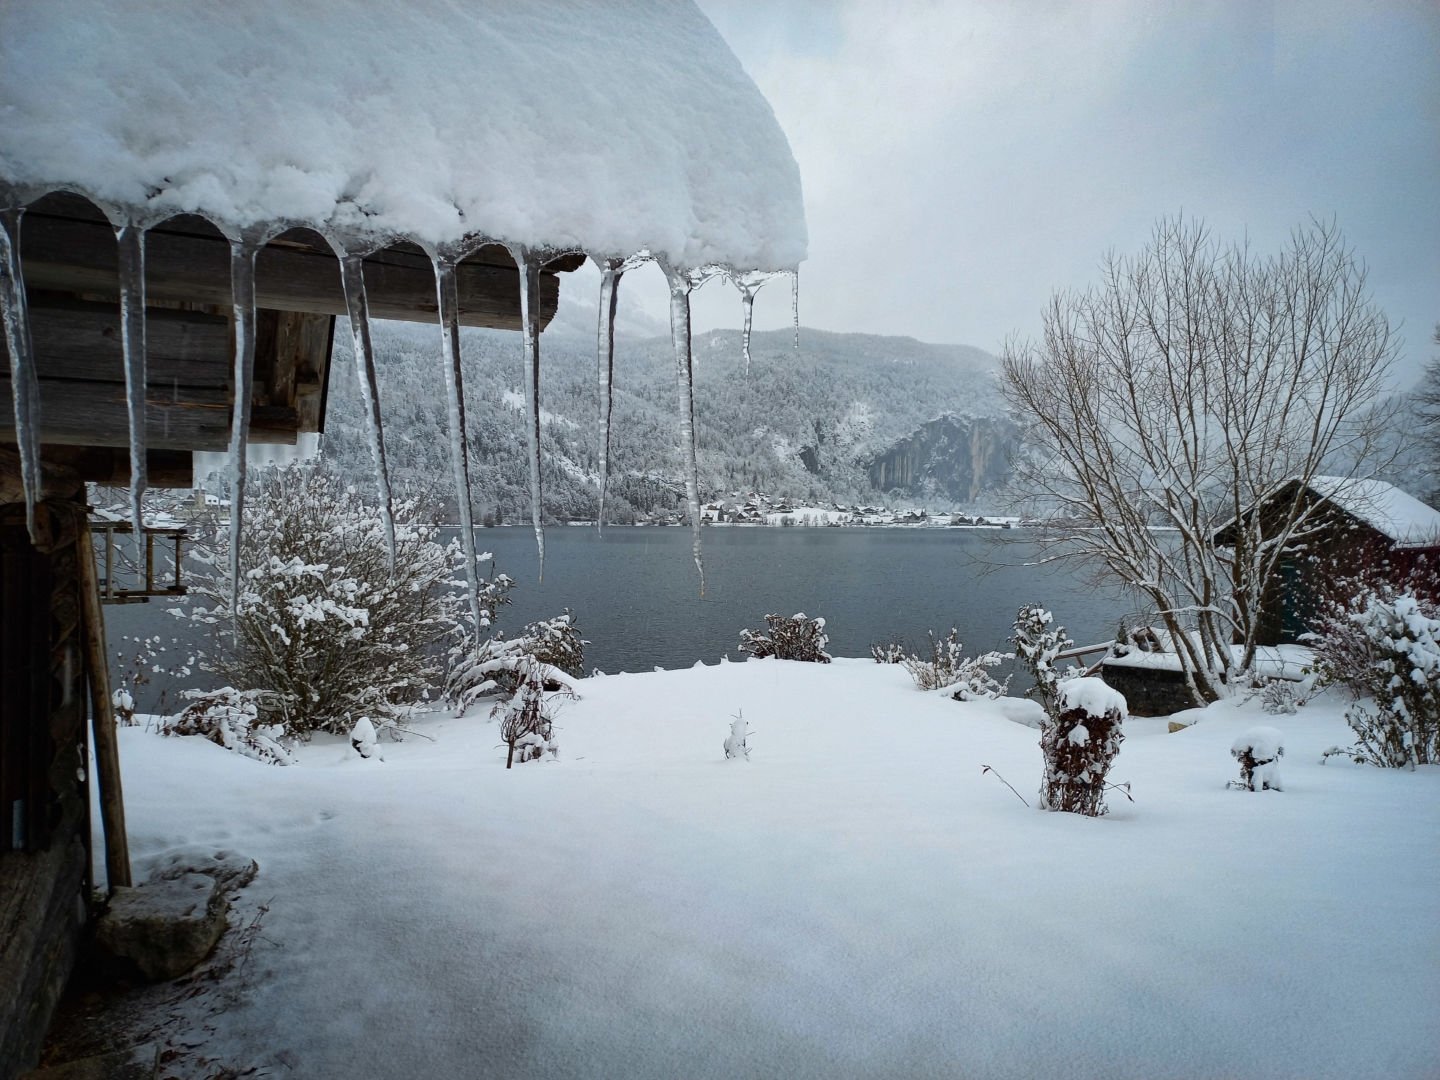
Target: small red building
<point x="1359" y="529"/>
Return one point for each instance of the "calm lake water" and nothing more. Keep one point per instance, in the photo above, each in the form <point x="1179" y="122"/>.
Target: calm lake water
<point x="635" y="592"/>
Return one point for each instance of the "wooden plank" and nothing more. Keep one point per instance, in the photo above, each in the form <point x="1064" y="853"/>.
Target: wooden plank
<point x="75" y="413"/>
<point x="111" y="465"/>
<point x="77" y="339"/>
<point x="73" y="255"/>
<point x="107" y="749"/>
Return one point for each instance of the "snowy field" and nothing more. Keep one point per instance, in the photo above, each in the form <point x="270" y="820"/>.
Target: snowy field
<point x="855" y="900"/>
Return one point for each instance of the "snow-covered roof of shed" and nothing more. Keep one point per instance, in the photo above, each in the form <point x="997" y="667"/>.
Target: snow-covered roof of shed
<point x="1384" y="507"/>
<point x="613" y="128"/>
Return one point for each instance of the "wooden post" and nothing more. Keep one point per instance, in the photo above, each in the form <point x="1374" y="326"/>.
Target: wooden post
<point x="102" y="718"/>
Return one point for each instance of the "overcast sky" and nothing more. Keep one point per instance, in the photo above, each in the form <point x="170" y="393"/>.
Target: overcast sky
<point x="963" y="160"/>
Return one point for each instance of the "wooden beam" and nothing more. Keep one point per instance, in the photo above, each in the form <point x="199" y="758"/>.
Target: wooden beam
<point x="102" y="717"/>
<point x="79" y="256"/>
<point x="83" y="413"/>
<point x="79" y="339"/>
<point x="111" y="465"/>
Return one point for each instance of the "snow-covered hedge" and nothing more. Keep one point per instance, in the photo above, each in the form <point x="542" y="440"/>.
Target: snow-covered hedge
<point x="794" y="637"/>
<point x="322" y="623"/>
<point x="948" y="668"/>
<point x="1388" y="653"/>
<point x="550" y="649"/>
<point x="231" y="718"/>
<point x="1080" y="742"/>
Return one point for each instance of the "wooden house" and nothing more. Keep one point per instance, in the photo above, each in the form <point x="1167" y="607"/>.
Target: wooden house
<point x="1355" y="527"/>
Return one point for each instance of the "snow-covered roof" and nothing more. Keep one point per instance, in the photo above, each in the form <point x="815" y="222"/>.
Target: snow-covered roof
<point x="613" y="128"/>
<point x="1384" y="507"/>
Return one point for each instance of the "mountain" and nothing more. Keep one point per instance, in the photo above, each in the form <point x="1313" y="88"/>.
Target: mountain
<point x="951" y="458"/>
<point x="806" y="425"/>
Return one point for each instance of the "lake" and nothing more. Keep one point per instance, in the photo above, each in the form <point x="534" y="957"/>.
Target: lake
<point x="635" y="592"/>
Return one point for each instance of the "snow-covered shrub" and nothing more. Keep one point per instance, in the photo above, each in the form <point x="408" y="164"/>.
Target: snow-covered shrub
<point x="526" y="725"/>
<point x="1259" y="751"/>
<point x="231" y="718"/>
<point x="1037" y="642"/>
<point x="735" y="745"/>
<point x="793" y="637"/>
<point x="890" y="653"/>
<point x="498" y="665"/>
<point x="557" y="643"/>
<point x="321" y="621"/>
<point x="1280" y="697"/>
<point x="948" y="667"/>
<point x="1080" y="742"/>
<point x="1388" y="651"/>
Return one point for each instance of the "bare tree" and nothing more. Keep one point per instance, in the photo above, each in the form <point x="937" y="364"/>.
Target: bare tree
<point x="1427" y="396"/>
<point x="1192" y="382"/>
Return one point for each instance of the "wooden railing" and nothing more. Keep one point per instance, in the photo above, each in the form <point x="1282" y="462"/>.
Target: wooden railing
<point x="144" y="573"/>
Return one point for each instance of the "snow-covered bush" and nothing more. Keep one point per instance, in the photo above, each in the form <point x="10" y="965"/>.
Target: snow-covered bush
<point x="1080" y="742"/>
<point x="1280" y="697"/>
<point x="1389" y="651"/>
<point x="948" y="667"/>
<point x="735" y="746"/>
<point x="889" y="653"/>
<point x="231" y="718"/>
<point x="526" y="724"/>
<point x="557" y="643"/>
<point x="793" y="637"/>
<point x="1037" y="642"/>
<point x="1259" y="751"/>
<point x="498" y="665"/>
<point x="322" y="622"/>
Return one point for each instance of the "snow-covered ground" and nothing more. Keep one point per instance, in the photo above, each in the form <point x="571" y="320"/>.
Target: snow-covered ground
<point x="857" y="899"/>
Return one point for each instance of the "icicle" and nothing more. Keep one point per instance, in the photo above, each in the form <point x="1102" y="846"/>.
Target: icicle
<point x="529" y="268"/>
<point x="795" y="303"/>
<point x="610" y="274"/>
<point x="24" y="383"/>
<point x="449" y="307"/>
<point x="130" y="241"/>
<point x="680" y="285"/>
<point x="748" y="284"/>
<point x="352" y="274"/>
<point x="747" y="300"/>
<point x="242" y="288"/>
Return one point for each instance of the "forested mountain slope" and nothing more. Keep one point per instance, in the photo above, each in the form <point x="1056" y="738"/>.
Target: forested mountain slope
<point x="805" y="425"/>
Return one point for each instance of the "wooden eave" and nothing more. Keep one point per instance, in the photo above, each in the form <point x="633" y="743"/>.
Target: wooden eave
<point x="70" y="264"/>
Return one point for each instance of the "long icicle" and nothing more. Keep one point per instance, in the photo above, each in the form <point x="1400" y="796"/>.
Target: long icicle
<point x="529" y="268"/>
<point x="130" y="243"/>
<point x="24" y="383"/>
<point x="747" y="301"/>
<point x="795" y="303"/>
<point x="352" y="274"/>
<point x="242" y="289"/>
<point x="685" y="385"/>
<point x="448" y="297"/>
<point x="610" y="274"/>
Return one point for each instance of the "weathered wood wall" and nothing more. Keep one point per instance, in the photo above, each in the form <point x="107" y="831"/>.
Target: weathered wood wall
<point x="44" y="808"/>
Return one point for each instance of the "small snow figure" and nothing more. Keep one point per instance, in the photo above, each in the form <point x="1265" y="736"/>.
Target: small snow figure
<point x="1259" y="751"/>
<point x="735" y="748"/>
<point x="363" y="739"/>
